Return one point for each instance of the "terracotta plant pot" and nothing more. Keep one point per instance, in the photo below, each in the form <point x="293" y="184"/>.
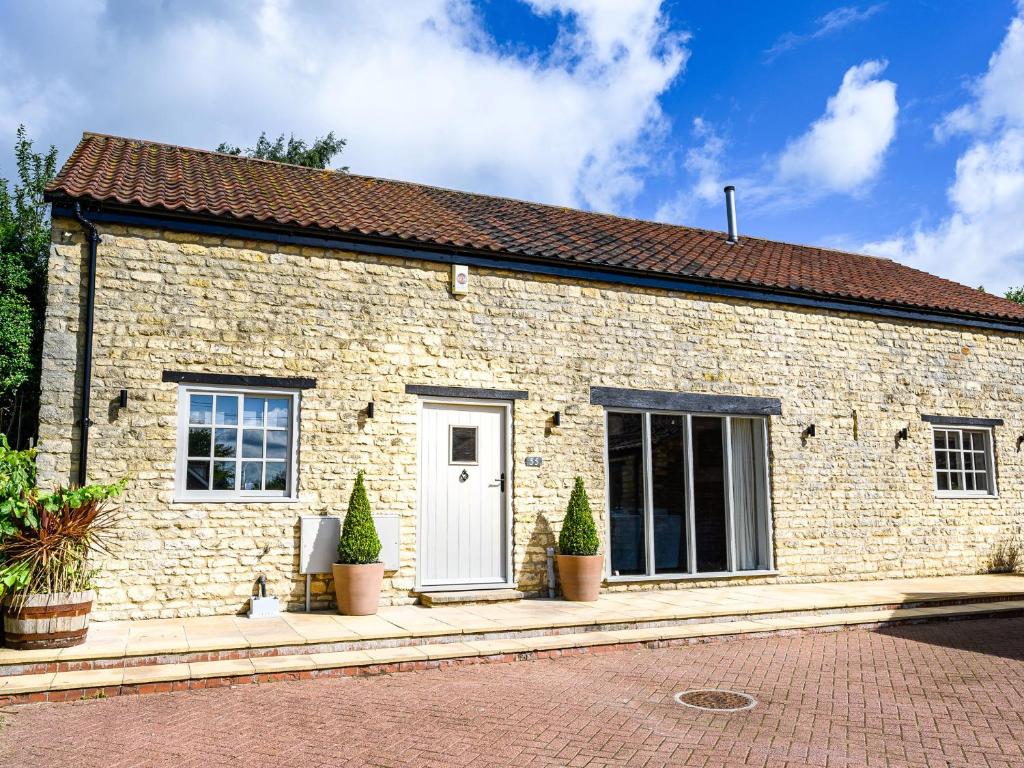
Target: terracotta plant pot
<point x="581" y="576"/>
<point x="47" y="621"/>
<point x="357" y="588"/>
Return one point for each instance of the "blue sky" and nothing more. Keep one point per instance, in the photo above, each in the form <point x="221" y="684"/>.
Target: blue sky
<point x="892" y="127"/>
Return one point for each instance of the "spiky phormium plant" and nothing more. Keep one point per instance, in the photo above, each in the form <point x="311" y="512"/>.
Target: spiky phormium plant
<point x="53" y="554"/>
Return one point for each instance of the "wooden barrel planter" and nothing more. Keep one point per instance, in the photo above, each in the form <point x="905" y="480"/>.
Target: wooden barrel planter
<point x="60" y="620"/>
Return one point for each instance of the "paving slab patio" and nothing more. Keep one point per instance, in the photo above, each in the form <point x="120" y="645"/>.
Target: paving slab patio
<point x="156" y="637"/>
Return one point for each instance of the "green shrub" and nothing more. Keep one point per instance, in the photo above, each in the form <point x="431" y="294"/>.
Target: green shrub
<point x="17" y="488"/>
<point x="359" y="543"/>
<point x="47" y="538"/>
<point x="49" y="549"/>
<point x="579" y="534"/>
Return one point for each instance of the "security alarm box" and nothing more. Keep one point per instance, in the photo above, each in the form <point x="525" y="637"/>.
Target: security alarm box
<point x="460" y="279"/>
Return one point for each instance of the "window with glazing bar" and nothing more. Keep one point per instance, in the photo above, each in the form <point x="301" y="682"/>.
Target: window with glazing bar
<point x="236" y="444"/>
<point x="964" y="464"/>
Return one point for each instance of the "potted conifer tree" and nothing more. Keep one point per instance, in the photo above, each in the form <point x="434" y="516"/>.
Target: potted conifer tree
<point x="358" y="574"/>
<point x="579" y="564"/>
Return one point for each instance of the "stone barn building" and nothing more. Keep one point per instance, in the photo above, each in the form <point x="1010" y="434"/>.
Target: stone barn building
<point x="240" y="337"/>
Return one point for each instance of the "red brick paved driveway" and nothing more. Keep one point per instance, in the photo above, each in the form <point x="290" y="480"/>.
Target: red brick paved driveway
<point x="927" y="695"/>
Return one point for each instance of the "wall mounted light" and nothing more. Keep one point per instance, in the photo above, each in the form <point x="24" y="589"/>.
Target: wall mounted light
<point x="556" y="419"/>
<point x="369" y="410"/>
<point x="903" y="434"/>
<point x="810" y="431"/>
<point x="122" y="399"/>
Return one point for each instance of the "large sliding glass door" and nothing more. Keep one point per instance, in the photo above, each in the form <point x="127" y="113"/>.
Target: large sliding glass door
<point x="687" y="494"/>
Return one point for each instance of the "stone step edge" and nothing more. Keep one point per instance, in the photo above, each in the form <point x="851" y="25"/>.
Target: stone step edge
<point x="78" y="660"/>
<point x="61" y="686"/>
<point x="430" y="599"/>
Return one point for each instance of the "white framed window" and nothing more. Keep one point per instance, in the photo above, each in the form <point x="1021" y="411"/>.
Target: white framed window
<point x="236" y="444"/>
<point x="964" y="461"/>
<point x="687" y="495"/>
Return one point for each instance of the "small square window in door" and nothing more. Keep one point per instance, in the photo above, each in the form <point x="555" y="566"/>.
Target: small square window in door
<point x="463" y="445"/>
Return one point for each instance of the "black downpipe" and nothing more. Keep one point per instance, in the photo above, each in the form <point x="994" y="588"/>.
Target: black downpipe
<point x="93" y="238"/>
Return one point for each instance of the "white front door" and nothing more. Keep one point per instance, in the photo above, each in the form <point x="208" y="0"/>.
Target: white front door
<point x="463" y="535"/>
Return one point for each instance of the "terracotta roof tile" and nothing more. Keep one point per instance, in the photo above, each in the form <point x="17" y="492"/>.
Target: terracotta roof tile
<point x="171" y="178"/>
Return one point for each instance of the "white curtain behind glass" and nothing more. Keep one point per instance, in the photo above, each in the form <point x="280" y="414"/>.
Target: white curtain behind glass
<point x="748" y="494"/>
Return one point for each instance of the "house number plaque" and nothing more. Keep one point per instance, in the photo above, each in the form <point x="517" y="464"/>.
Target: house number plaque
<point x="534" y="461"/>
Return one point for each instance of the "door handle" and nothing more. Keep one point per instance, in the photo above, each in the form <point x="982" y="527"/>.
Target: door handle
<point x="501" y="480"/>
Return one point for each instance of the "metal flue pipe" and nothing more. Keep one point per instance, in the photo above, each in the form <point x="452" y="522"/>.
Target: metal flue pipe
<point x="730" y="213"/>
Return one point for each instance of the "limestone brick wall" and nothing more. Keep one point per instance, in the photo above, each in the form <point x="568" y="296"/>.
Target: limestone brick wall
<point x="850" y="503"/>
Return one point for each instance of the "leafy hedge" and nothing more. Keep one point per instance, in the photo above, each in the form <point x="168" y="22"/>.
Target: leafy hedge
<point x="359" y="542"/>
<point x="579" y="534"/>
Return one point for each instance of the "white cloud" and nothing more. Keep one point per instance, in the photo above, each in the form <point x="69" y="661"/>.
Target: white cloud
<point x="704" y="163"/>
<point x="419" y="89"/>
<point x="980" y="241"/>
<point x="843" y="150"/>
<point x="25" y="98"/>
<point x="998" y="93"/>
<point x="832" y="22"/>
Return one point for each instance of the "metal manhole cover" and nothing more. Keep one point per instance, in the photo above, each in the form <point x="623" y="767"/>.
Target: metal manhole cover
<point x="716" y="700"/>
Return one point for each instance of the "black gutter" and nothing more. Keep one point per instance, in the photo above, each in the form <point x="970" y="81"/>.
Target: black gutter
<point x="93" y="238"/>
<point x="318" y="238"/>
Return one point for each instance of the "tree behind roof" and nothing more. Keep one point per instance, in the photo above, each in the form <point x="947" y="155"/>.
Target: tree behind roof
<point x="295" y="151"/>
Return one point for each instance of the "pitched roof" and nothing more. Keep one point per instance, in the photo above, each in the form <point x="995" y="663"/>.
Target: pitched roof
<point x="177" y="179"/>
